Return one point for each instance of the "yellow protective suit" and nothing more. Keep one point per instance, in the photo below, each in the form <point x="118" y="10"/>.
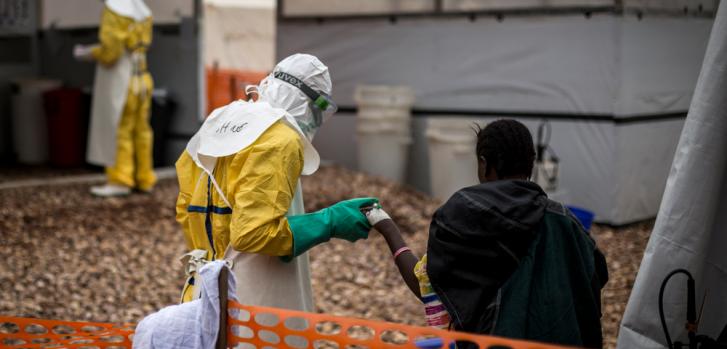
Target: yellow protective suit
<point x="258" y="181"/>
<point x="119" y="35"/>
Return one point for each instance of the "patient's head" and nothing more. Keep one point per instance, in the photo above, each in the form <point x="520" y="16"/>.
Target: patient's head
<point x="504" y="151"/>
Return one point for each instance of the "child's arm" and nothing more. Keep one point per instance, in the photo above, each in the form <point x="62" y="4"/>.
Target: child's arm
<point x="403" y="257"/>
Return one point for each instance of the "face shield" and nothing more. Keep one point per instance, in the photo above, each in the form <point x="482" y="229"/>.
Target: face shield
<point x="321" y="105"/>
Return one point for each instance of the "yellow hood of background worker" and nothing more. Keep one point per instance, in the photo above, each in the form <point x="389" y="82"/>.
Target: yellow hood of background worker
<point x="240" y="194"/>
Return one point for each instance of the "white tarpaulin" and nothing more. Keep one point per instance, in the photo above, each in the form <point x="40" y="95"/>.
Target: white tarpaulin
<point x="603" y="78"/>
<point x="239" y="37"/>
<point x="690" y="229"/>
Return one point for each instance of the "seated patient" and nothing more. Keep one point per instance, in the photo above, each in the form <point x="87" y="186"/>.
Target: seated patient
<point x="502" y="258"/>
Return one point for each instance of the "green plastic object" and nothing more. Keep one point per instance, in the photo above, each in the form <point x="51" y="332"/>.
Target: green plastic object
<point x="343" y="220"/>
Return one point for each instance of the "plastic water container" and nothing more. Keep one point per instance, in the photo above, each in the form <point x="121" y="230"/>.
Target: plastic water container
<point x="30" y="130"/>
<point x="383" y="153"/>
<point x="452" y="156"/>
<point x="583" y="215"/>
<point x="383" y="129"/>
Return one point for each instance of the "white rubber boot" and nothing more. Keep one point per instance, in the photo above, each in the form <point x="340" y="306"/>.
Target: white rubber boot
<point x="109" y="190"/>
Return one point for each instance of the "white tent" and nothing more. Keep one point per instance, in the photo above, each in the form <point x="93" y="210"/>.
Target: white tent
<point x="615" y="81"/>
<point x="239" y="34"/>
<point x="690" y="229"/>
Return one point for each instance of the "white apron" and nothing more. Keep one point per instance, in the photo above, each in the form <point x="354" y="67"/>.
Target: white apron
<point x="110" y="89"/>
<point x="261" y="280"/>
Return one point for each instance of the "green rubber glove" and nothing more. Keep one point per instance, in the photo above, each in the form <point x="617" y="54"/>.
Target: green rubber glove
<point x="343" y="220"/>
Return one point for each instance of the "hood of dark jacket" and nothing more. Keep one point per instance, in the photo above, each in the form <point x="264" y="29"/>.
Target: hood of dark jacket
<point x="476" y="240"/>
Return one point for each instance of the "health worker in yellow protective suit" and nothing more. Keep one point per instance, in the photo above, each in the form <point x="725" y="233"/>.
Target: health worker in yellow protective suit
<point x="120" y="137"/>
<point x="240" y="193"/>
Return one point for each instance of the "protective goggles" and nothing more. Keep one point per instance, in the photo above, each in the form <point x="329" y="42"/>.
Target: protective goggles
<point x="322" y="105"/>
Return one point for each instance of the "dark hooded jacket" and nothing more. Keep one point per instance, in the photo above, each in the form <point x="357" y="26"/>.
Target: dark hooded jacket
<point x="505" y="260"/>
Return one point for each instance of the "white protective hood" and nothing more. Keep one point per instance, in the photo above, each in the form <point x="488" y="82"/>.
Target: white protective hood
<point x="237" y="125"/>
<point x="284" y="95"/>
<point x="135" y="9"/>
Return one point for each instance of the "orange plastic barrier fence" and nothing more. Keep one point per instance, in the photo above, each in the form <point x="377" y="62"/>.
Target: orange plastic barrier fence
<point x="38" y="333"/>
<point x="259" y="327"/>
<point x="227" y="85"/>
<point x="253" y="327"/>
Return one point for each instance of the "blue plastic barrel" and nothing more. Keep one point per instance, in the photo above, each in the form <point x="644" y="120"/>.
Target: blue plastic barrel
<point x="583" y="215"/>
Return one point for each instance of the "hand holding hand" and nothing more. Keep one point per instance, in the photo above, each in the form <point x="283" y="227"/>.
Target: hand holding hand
<point x="349" y="222"/>
<point x="376" y="214"/>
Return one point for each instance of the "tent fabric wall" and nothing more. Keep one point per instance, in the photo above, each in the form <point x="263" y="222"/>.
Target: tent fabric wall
<point x="659" y="61"/>
<point x="690" y="228"/>
<point x="642" y="158"/>
<point x="65" y="13"/>
<point x="240" y="38"/>
<point x="332" y="8"/>
<point x="520" y="64"/>
<point x="593" y="77"/>
<point x="568" y="64"/>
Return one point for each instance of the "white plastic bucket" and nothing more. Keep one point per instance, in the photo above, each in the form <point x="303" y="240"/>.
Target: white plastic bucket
<point x="452" y="155"/>
<point x="30" y="130"/>
<point x="384" y="96"/>
<point x="383" y="128"/>
<point x="384" y="154"/>
<point x="383" y="113"/>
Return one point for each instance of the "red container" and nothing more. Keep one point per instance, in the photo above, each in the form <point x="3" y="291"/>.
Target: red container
<point x="66" y="129"/>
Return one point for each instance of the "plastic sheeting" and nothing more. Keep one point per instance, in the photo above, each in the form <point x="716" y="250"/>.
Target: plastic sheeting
<point x="605" y="65"/>
<point x="238" y="37"/>
<point x="690" y="228"/>
<point x="598" y="74"/>
<point x="347" y="7"/>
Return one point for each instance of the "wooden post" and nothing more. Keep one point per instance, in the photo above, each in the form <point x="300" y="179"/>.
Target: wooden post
<point x="222" y="287"/>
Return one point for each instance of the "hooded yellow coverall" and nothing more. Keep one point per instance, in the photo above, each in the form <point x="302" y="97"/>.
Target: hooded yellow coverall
<point x="118" y="35"/>
<point x="258" y="181"/>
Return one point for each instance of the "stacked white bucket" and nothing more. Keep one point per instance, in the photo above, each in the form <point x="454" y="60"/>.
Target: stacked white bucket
<point x="452" y="156"/>
<point x="383" y="127"/>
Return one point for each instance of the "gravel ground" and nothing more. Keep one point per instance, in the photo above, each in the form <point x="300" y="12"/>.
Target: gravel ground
<point x="67" y="255"/>
<point x="21" y="172"/>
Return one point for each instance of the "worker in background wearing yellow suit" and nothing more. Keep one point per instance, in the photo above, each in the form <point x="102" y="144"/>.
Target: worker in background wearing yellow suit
<point x="120" y="137"/>
<point x="240" y="194"/>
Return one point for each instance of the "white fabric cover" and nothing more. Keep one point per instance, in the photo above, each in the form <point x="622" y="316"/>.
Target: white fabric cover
<point x="110" y="89"/>
<point x="267" y="281"/>
<point x="230" y="129"/>
<point x="235" y="126"/>
<point x="690" y="228"/>
<point x="135" y="9"/>
<point x="191" y="325"/>
<point x="237" y="36"/>
<point x="607" y="66"/>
